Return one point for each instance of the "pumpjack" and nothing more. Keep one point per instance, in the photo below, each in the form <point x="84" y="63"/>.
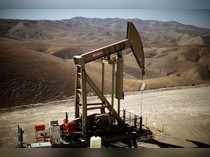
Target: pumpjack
<point x="110" y="123"/>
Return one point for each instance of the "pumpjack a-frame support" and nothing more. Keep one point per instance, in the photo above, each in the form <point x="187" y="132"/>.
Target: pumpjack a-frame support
<point x="132" y="41"/>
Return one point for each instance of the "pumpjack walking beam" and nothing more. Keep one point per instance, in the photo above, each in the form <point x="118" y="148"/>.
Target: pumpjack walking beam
<point x="132" y="41"/>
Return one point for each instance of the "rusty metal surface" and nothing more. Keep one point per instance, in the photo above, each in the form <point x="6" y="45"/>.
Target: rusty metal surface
<point x="136" y="44"/>
<point x="102" y="52"/>
<point x="119" y="94"/>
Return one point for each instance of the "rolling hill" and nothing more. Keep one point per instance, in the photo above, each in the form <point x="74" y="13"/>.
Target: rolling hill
<point x="36" y="56"/>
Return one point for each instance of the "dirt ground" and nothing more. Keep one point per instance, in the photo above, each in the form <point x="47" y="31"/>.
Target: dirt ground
<point x="174" y="115"/>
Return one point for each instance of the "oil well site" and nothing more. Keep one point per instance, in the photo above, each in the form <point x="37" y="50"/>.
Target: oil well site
<point x="104" y="83"/>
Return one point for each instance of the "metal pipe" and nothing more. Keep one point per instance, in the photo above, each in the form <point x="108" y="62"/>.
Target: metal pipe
<point x="124" y="115"/>
<point x="135" y="121"/>
<point x="119" y="77"/>
<point x="77" y="86"/>
<point x="102" y="80"/>
<point x="113" y="82"/>
<point x="67" y="117"/>
<point x="102" y="85"/>
<point x="84" y="103"/>
<point x="140" y="124"/>
<point x="118" y="107"/>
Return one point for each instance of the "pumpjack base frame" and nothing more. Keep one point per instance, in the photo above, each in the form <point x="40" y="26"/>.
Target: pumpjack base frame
<point x="126" y="134"/>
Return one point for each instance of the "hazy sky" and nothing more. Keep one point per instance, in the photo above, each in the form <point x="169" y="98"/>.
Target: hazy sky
<point x="193" y="12"/>
<point x="105" y="4"/>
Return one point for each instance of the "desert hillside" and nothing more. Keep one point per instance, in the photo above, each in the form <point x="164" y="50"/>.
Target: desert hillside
<point x="36" y="56"/>
<point x="29" y="76"/>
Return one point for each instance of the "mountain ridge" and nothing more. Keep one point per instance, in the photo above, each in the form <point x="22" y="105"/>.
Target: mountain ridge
<point x="112" y="25"/>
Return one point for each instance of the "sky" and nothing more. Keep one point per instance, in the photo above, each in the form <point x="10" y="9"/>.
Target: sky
<point x="192" y="12"/>
<point x="104" y="4"/>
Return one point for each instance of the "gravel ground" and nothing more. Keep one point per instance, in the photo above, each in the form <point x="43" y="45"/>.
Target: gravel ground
<point x="178" y="113"/>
